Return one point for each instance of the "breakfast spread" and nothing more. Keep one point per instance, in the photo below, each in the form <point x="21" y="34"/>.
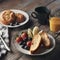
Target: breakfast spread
<point x="54" y="24"/>
<point x="9" y="17"/>
<point x="32" y="39"/>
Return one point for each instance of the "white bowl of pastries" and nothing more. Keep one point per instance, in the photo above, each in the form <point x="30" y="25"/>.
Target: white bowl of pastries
<point x="13" y="18"/>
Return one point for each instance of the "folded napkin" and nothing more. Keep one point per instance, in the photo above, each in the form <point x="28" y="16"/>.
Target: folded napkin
<point x="5" y="36"/>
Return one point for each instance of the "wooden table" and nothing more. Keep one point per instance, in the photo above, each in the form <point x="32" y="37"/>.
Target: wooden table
<point x="29" y="6"/>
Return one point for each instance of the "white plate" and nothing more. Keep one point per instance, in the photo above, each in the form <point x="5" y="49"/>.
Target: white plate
<point x="22" y="12"/>
<point x="41" y="53"/>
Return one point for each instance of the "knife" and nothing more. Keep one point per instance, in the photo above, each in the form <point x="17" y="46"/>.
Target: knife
<point x="5" y="44"/>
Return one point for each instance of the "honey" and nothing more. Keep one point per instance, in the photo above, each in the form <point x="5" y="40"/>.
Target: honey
<point x="54" y="24"/>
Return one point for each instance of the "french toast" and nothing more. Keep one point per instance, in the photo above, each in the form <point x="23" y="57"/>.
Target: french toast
<point x="45" y="39"/>
<point x="36" y="42"/>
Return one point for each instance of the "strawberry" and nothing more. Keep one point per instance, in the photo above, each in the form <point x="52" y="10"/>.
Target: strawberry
<point x="29" y="43"/>
<point x="19" y="39"/>
<point x="24" y="35"/>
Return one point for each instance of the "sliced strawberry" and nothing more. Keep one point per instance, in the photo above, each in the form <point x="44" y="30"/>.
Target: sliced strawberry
<point x="24" y="35"/>
<point x="29" y="43"/>
<point x="19" y="39"/>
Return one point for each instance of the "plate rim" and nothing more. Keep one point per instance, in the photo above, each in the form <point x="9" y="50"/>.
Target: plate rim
<point x="49" y="50"/>
<point x="21" y="24"/>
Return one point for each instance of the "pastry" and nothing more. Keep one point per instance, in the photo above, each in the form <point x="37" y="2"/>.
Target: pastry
<point x="30" y="33"/>
<point x="35" y="30"/>
<point x="36" y="43"/>
<point x="6" y="17"/>
<point x="45" y="39"/>
<point x="19" y="17"/>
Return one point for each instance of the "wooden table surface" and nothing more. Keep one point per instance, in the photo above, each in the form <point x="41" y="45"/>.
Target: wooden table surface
<point x="29" y="6"/>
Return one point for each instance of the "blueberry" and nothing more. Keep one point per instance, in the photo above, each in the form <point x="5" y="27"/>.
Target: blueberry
<point x="25" y="40"/>
<point x="24" y="43"/>
<point x="21" y="43"/>
<point x="23" y="46"/>
<point x="26" y="47"/>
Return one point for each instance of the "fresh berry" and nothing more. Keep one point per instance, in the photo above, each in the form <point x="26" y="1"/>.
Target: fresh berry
<point x="23" y="46"/>
<point x="19" y="39"/>
<point x="24" y="43"/>
<point x="26" y="39"/>
<point x="24" y="35"/>
<point x="26" y="47"/>
<point x="21" y="43"/>
<point x="29" y="43"/>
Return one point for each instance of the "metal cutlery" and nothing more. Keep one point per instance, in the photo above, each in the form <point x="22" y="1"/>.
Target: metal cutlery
<point x="5" y="44"/>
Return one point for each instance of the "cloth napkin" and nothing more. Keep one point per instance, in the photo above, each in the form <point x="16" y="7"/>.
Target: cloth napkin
<point x="5" y="36"/>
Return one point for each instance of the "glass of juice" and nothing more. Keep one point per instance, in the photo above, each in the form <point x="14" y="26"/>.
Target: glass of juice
<point x="54" y="24"/>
